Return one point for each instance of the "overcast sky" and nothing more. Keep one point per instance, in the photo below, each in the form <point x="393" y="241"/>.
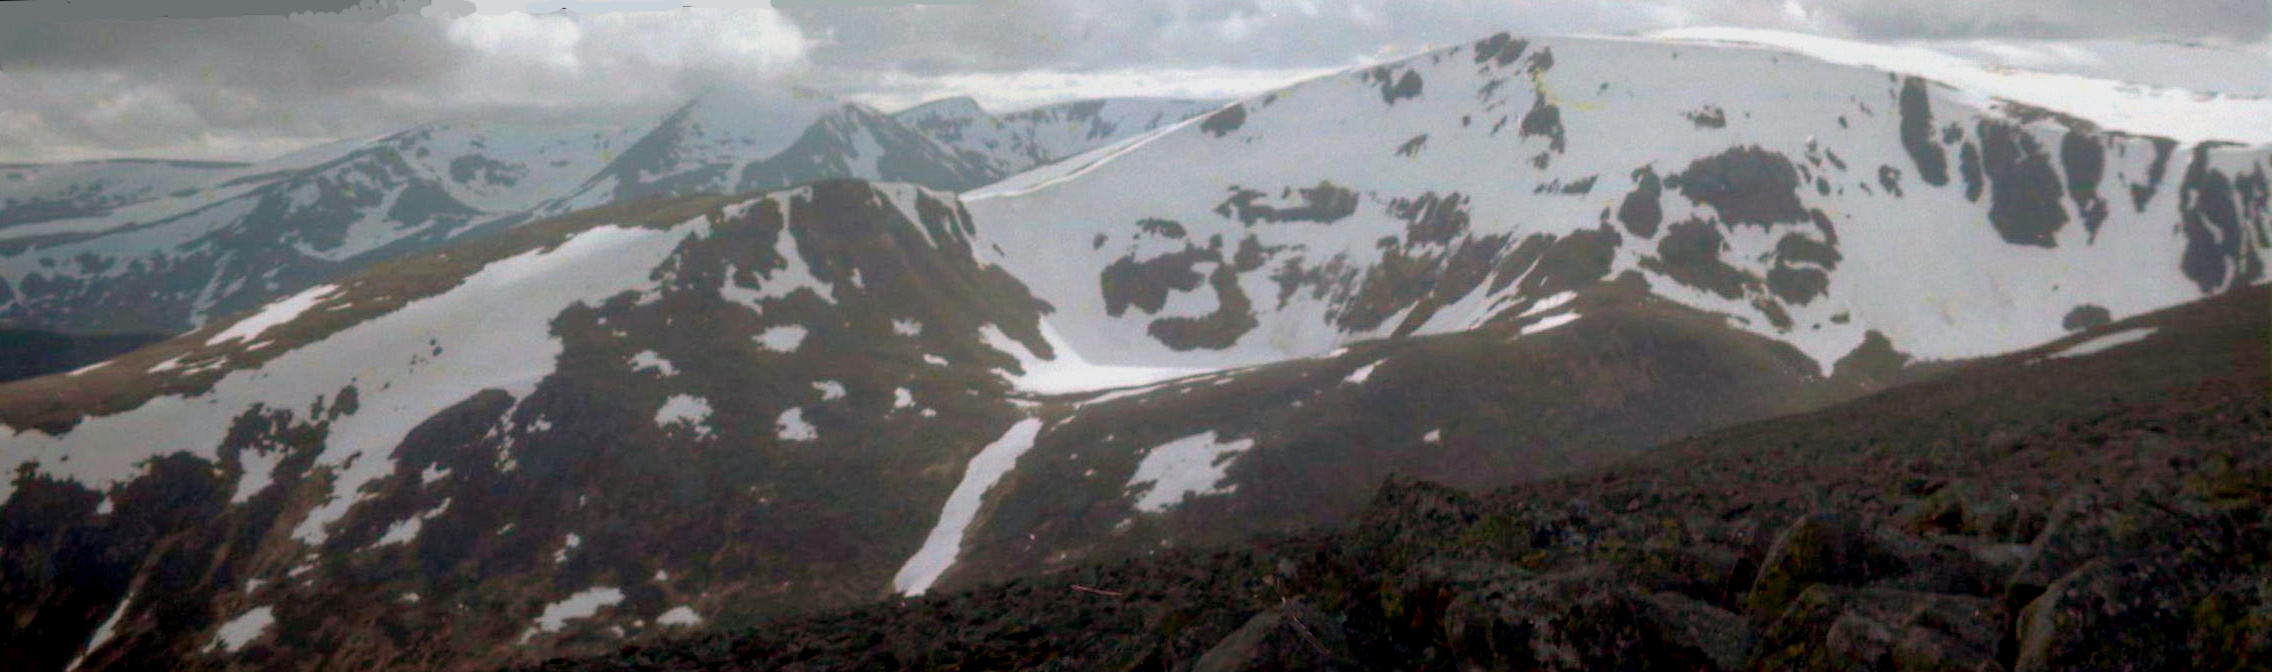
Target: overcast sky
<point x="240" y="79"/>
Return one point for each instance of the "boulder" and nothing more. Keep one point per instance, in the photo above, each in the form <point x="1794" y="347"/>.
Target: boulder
<point x="1714" y="574"/>
<point x="1292" y="636"/>
<point x="1584" y="620"/>
<point x="1837" y="628"/>
<point x="1818" y="548"/>
<point x="1937" y="565"/>
<point x="2091" y="525"/>
<point x="2113" y="614"/>
<point x="1974" y="509"/>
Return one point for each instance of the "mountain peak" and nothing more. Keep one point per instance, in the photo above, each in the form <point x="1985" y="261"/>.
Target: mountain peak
<point x="958" y="107"/>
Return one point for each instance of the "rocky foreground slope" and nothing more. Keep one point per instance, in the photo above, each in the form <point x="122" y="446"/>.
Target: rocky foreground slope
<point x="2083" y="506"/>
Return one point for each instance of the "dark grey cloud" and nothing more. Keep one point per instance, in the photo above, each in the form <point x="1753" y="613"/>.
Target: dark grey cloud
<point x="2218" y="20"/>
<point x="81" y="79"/>
<point x="24" y="12"/>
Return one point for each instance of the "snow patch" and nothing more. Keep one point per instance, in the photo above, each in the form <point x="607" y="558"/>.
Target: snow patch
<point x="170" y="364"/>
<point x="792" y="426"/>
<point x="784" y="338"/>
<point x="406" y="530"/>
<point x="829" y="390"/>
<point x="104" y="632"/>
<point x="1548" y="323"/>
<point x="688" y="410"/>
<point x="1549" y="303"/>
<point x="647" y="359"/>
<point x="1070" y="373"/>
<point x="243" y="629"/>
<point x="2105" y="342"/>
<point x="560" y="556"/>
<point x="1189" y="466"/>
<point x="279" y="312"/>
<point x="580" y="605"/>
<point x="679" y="615"/>
<point x="1362" y="373"/>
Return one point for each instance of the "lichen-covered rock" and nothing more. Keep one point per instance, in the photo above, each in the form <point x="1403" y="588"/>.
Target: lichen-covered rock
<point x="1498" y="616"/>
<point x="1835" y="628"/>
<point x="2232" y="626"/>
<point x="1974" y="508"/>
<point x="2092" y="525"/>
<point x="1819" y="548"/>
<point x="1407" y="516"/>
<point x="1582" y="620"/>
<point x="2113" y="615"/>
<point x="1721" y="635"/>
<point x="1713" y="574"/>
<point x="1937" y="566"/>
<point x="1294" y="636"/>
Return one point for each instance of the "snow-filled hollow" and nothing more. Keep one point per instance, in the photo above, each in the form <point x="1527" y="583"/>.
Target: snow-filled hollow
<point x="1068" y="372"/>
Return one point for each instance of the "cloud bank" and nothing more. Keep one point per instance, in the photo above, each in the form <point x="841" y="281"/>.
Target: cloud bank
<point x="231" y="79"/>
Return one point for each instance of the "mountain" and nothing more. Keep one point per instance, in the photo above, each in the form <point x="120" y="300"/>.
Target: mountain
<point x="32" y="193"/>
<point x="1507" y="261"/>
<point x="166" y="246"/>
<point x="1833" y="202"/>
<point x="268" y="230"/>
<point x="1019" y="141"/>
<point x="717" y="410"/>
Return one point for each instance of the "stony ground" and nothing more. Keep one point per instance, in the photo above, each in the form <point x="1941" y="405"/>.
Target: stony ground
<point x="2105" y="512"/>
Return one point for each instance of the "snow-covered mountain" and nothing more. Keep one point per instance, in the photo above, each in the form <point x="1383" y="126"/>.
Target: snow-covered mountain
<point x="164" y="246"/>
<point x="1504" y="260"/>
<point x="31" y="193"/>
<point x="1016" y="142"/>
<point x="1814" y="202"/>
<point x="229" y="245"/>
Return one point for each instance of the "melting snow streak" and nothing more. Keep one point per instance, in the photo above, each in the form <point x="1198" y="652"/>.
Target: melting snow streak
<point x="939" y="549"/>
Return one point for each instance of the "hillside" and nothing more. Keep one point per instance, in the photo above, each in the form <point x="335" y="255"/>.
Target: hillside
<point x="2076" y="506"/>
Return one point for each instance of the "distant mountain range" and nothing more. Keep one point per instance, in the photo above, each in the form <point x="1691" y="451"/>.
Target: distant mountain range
<point x="139" y="246"/>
